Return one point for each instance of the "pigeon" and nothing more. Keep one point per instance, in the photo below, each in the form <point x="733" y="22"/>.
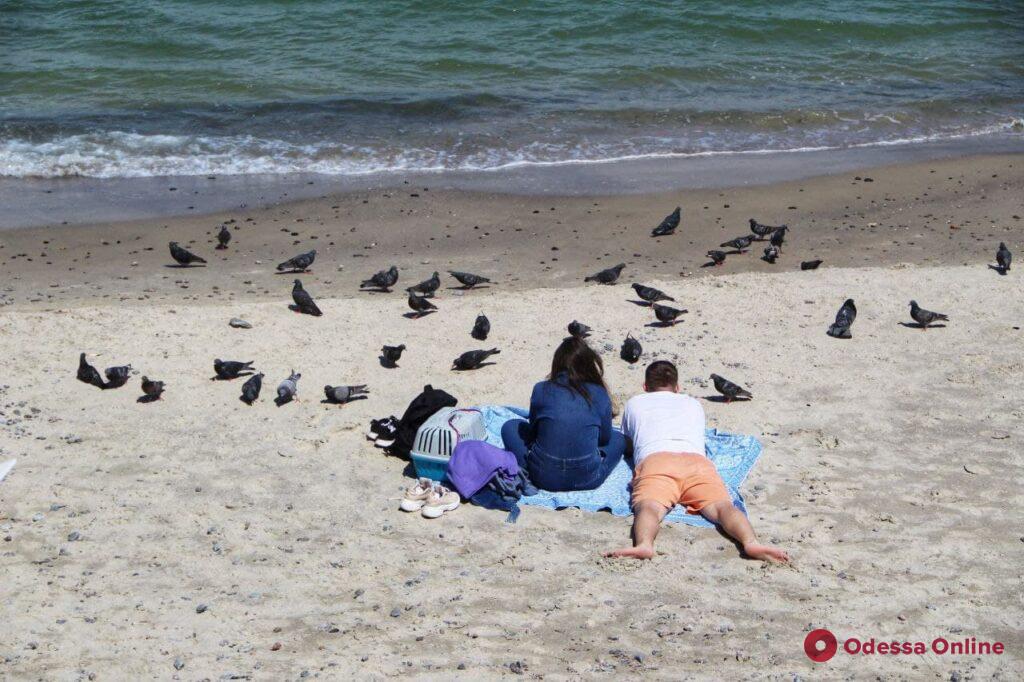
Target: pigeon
<point x="428" y="286"/>
<point x="741" y="244"/>
<point x="925" y="317"/>
<point x="778" y="237"/>
<point x="762" y="230"/>
<point x="183" y="256"/>
<point x="289" y="388"/>
<point x="668" y="225"/>
<point x="717" y="257"/>
<point x="152" y="389"/>
<point x="468" y="279"/>
<point x="88" y="373"/>
<point x="481" y="328"/>
<point x="343" y="394"/>
<point x="472" y="359"/>
<point x="840" y="329"/>
<point x="631" y="349"/>
<point x="608" y="276"/>
<point x="650" y="294"/>
<point x="223" y="237"/>
<point x="810" y="264"/>
<point x="579" y="330"/>
<point x="730" y="390"/>
<point x="391" y="355"/>
<point x="1003" y="258"/>
<point x="420" y="304"/>
<point x="770" y="254"/>
<point x="383" y="280"/>
<point x="251" y="388"/>
<point x="303" y="301"/>
<point x="117" y="376"/>
<point x="300" y="263"/>
<point x="667" y="315"/>
<point x="231" y="369"/>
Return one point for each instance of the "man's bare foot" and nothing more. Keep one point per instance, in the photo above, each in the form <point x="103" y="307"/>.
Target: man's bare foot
<point x="640" y="552"/>
<point x="766" y="553"/>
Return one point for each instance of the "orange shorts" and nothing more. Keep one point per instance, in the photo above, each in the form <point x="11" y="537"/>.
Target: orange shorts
<point x="671" y="478"/>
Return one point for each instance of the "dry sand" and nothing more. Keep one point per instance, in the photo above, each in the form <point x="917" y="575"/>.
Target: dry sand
<point x="892" y="465"/>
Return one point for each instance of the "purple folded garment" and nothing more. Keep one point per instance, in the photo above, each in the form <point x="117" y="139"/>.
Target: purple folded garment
<point x="474" y="463"/>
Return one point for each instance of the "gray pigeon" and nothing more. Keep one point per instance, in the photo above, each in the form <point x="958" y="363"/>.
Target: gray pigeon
<point x="390" y="355"/>
<point x="810" y="264"/>
<point x="925" y="317"/>
<point x="428" y="286"/>
<point x="473" y="358"/>
<point x="383" y="280"/>
<point x="88" y="373"/>
<point x="251" y="388"/>
<point x="717" y="257"/>
<point x="771" y="254"/>
<point x="152" y="389"/>
<point x="1003" y="258"/>
<point x="303" y="301"/>
<point x="608" y="276"/>
<point x="420" y="304"/>
<point x="779" y="236"/>
<point x="579" y="330"/>
<point x="650" y="294"/>
<point x="840" y="329"/>
<point x="288" y="389"/>
<point x="183" y="256"/>
<point x="667" y="315"/>
<point x="741" y="244"/>
<point x="481" y="328"/>
<point x="762" y="230"/>
<point x="631" y="349"/>
<point x="668" y="225"/>
<point x="468" y="279"/>
<point x="730" y="390"/>
<point x="223" y="237"/>
<point x="300" y="263"/>
<point x="117" y="376"/>
<point x="343" y="394"/>
<point x="231" y="369"/>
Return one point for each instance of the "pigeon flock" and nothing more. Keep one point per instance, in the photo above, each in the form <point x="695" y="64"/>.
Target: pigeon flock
<point x="419" y="301"/>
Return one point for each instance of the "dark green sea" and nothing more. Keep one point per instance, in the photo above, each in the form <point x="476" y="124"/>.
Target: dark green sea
<point x="118" y="88"/>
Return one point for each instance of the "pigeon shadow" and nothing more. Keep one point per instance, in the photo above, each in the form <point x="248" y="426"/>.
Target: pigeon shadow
<point x="467" y="288"/>
<point x="374" y="290"/>
<point x="724" y="400"/>
<point x="711" y="264"/>
<point x="918" y="325"/>
<point x="328" y="401"/>
<point x="662" y="325"/>
<point x="147" y="399"/>
<point x="240" y="375"/>
<point x="416" y="316"/>
<point x="179" y="266"/>
<point x="385" y="363"/>
<point x="480" y="366"/>
<point x="1001" y="271"/>
<point x="642" y="304"/>
<point x="293" y="272"/>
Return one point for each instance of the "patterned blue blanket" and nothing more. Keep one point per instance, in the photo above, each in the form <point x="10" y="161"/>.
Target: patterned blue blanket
<point x="734" y="456"/>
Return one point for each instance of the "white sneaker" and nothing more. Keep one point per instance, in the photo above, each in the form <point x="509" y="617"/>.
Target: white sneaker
<point x="441" y="500"/>
<point x="416" y="496"/>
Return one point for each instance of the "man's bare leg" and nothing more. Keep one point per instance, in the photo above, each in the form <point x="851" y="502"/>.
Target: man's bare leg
<point x="735" y="524"/>
<point x="647" y="518"/>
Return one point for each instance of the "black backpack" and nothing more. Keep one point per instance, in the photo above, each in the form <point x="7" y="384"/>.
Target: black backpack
<point x="420" y="410"/>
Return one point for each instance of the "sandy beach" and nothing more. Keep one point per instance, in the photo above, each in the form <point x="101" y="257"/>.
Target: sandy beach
<point x="199" y="538"/>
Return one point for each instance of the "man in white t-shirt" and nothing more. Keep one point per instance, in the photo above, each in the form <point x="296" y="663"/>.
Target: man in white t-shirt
<point x="667" y="430"/>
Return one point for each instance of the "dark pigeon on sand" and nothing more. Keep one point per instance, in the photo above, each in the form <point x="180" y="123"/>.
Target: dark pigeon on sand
<point x="762" y="230"/>
<point x="420" y="304"/>
<point x="669" y="224"/>
<point x="300" y="263"/>
<point x="578" y="330"/>
<point x="481" y="328"/>
<point x="771" y="254"/>
<point x="223" y="237"/>
<point x="289" y="388"/>
<point x="231" y="369"/>
<point x="343" y="394"/>
<point x="730" y="390"/>
<point x="666" y="314"/>
<point x="609" y="276"/>
<point x="117" y="376"/>
<point x="717" y="257"/>
<point x="472" y="359"/>
<point x="183" y="256"/>
<point x="650" y="294"/>
<point x="468" y="279"/>
<point x="303" y="301"/>
<point x="631" y="349"/>
<point x="251" y="388"/>
<point x="383" y="280"/>
<point x="152" y="389"/>
<point x="925" y="317"/>
<point x="88" y="374"/>
<point x="390" y="355"/>
<point x="1003" y="258"/>
<point x="810" y="264"/>
<point x="840" y="329"/>
<point x="778" y="237"/>
<point x="428" y="286"/>
<point x="741" y="244"/>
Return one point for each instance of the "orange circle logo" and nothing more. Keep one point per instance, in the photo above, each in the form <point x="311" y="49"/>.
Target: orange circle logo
<point x="820" y="645"/>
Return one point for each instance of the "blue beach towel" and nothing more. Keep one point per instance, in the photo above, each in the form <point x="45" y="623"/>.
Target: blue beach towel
<point x="734" y="456"/>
